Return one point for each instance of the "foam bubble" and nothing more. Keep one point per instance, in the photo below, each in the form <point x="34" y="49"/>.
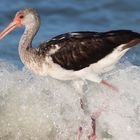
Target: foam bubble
<point x="40" y="108"/>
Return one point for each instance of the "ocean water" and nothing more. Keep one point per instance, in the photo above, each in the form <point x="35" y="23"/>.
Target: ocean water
<point x="42" y="108"/>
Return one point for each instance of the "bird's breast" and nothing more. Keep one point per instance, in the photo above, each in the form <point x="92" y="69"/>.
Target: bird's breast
<point x="56" y="71"/>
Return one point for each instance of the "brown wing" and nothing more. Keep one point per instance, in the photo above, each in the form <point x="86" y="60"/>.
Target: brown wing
<point x="78" y="50"/>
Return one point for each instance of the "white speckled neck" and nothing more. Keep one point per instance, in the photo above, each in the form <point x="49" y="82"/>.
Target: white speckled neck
<point x="26" y="51"/>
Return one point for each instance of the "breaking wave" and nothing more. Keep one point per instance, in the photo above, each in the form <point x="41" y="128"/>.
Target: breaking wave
<point x="42" y="108"/>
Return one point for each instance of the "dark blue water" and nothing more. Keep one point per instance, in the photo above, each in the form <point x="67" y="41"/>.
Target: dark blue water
<point x="42" y="108"/>
<point x="62" y="16"/>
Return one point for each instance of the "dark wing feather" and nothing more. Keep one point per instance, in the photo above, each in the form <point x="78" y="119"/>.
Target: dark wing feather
<point x="80" y="49"/>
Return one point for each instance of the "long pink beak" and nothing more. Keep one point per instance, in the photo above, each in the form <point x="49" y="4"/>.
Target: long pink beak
<point x="11" y="27"/>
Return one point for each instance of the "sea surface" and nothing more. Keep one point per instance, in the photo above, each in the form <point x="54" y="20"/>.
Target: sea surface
<point x="42" y="108"/>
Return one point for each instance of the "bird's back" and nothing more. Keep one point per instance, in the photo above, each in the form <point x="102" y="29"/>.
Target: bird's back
<point x="77" y="50"/>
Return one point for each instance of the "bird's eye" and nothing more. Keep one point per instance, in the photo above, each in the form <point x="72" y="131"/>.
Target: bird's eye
<point x="21" y="17"/>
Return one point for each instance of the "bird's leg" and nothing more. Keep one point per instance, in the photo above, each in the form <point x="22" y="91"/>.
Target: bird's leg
<point x="94" y="118"/>
<point x="92" y="136"/>
<point x="81" y="87"/>
<point x="81" y="104"/>
<point x="109" y="85"/>
<point x="79" y="133"/>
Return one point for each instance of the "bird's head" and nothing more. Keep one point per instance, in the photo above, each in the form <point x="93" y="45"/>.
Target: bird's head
<point x="27" y="17"/>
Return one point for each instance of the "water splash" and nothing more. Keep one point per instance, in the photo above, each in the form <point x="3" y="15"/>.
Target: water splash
<point x="40" y="108"/>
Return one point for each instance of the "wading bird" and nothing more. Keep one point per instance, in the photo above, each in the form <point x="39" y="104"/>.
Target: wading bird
<point x="73" y="55"/>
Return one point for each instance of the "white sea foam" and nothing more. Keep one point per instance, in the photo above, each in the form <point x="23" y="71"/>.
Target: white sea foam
<point x="41" y="108"/>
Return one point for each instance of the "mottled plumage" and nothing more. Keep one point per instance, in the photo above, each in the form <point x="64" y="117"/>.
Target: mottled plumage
<point x="74" y="55"/>
<point x="78" y="50"/>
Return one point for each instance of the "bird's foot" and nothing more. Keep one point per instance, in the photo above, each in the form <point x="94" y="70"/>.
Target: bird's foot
<point x="94" y="117"/>
<point x="79" y="133"/>
<point x="92" y="136"/>
<point x="109" y="85"/>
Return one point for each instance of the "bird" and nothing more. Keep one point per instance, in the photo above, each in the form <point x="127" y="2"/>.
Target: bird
<point x="73" y="55"/>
